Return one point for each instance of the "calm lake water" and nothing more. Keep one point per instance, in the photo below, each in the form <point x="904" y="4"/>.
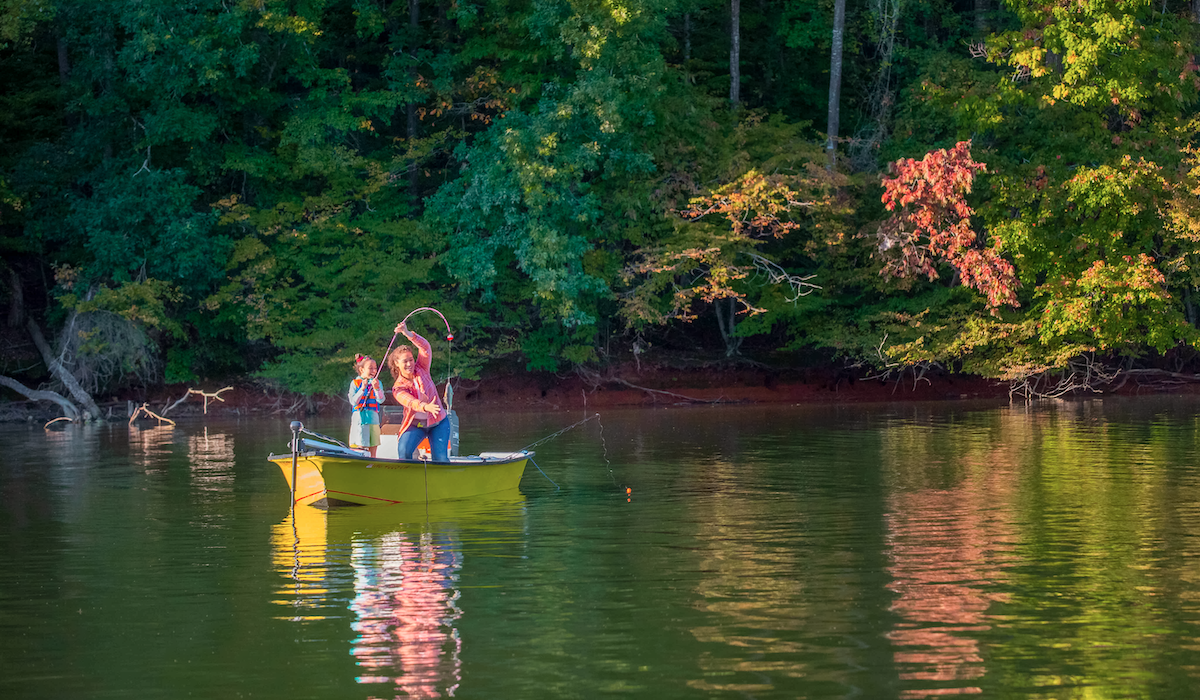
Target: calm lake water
<point x="901" y="551"/>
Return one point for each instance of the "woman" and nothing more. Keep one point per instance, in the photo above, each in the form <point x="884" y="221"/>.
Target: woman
<point x="424" y="415"/>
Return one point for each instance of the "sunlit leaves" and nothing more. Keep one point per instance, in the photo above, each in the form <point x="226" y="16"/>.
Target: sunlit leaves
<point x="1100" y="53"/>
<point x="1096" y="242"/>
<point x="1113" y="305"/>
<point x="715" y="246"/>
<point x="18" y="17"/>
<point x="1180" y="208"/>
<point x="145" y="302"/>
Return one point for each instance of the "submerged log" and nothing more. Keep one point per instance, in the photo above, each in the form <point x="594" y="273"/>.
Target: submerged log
<point x="210" y="395"/>
<point x="144" y="408"/>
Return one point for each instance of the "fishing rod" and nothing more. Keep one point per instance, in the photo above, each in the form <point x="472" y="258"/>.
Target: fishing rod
<point x="448" y="396"/>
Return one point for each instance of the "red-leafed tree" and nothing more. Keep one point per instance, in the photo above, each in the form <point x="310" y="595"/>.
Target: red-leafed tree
<point x="931" y="224"/>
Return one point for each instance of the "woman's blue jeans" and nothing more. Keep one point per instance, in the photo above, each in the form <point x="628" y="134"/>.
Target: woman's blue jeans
<point x="439" y="440"/>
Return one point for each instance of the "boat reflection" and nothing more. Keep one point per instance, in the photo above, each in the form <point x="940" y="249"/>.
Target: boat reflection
<point x="399" y="568"/>
<point x="299" y="548"/>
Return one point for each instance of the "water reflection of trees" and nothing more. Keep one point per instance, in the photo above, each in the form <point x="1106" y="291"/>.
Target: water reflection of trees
<point x="211" y="459"/>
<point x="951" y="537"/>
<point x="744" y="592"/>
<point x="1096" y="607"/>
<point x="1040" y="548"/>
<point x="148" y="447"/>
<point x="762" y="570"/>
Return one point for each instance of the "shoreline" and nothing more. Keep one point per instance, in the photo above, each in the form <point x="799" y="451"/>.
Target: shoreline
<point x="627" y="387"/>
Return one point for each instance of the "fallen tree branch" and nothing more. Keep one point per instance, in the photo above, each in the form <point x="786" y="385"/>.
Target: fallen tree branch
<point x="72" y="413"/>
<point x="183" y="398"/>
<point x="595" y="380"/>
<point x="1087" y="375"/>
<point x="90" y="410"/>
<point x="292" y="409"/>
<point x="622" y="382"/>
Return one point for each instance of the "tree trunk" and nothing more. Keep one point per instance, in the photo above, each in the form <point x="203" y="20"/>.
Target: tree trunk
<point x="835" y="82"/>
<point x="16" y="305"/>
<point x="64" y="62"/>
<point x="727" y="321"/>
<point x="68" y="408"/>
<point x="414" y="21"/>
<point x="687" y="36"/>
<point x="981" y="19"/>
<point x="735" y="52"/>
<point x="90" y="409"/>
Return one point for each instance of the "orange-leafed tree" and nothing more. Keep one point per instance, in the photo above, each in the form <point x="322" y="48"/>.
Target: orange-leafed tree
<point x="931" y="225"/>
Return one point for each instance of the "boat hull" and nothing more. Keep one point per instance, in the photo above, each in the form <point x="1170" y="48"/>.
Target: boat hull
<point x="328" y="478"/>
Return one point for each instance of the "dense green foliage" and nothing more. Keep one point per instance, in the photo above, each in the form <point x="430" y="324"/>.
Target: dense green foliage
<point x="265" y="187"/>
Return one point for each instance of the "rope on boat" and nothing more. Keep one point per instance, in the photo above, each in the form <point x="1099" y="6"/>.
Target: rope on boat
<point x="556" y="486"/>
<point x="551" y="437"/>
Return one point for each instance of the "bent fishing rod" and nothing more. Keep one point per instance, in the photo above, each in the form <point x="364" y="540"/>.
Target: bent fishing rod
<point x="447" y="398"/>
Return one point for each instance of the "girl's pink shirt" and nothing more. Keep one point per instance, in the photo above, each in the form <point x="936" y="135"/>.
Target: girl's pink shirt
<point x="411" y="393"/>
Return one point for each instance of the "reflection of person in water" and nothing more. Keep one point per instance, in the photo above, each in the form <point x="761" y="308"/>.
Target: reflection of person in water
<point x="405" y="601"/>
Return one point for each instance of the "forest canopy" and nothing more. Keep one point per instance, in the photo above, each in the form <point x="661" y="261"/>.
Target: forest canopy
<point x="205" y="190"/>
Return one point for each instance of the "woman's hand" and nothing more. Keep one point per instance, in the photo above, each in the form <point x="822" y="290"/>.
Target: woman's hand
<point x="402" y="329"/>
<point x="432" y="409"/>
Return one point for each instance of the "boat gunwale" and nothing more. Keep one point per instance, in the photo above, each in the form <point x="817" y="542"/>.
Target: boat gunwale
<point x="455" y="462"/>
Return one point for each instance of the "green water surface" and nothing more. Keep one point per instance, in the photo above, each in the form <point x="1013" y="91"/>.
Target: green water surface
<point x="900" y="551"/>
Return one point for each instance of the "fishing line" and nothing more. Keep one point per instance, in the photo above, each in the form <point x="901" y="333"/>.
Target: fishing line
<point x="604" y="447"/>
<point x="551" y="437"/>
<point x="570" y="427"/>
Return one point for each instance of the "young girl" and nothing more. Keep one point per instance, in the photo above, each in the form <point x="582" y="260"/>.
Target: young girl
<point x="366" y="394"/>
